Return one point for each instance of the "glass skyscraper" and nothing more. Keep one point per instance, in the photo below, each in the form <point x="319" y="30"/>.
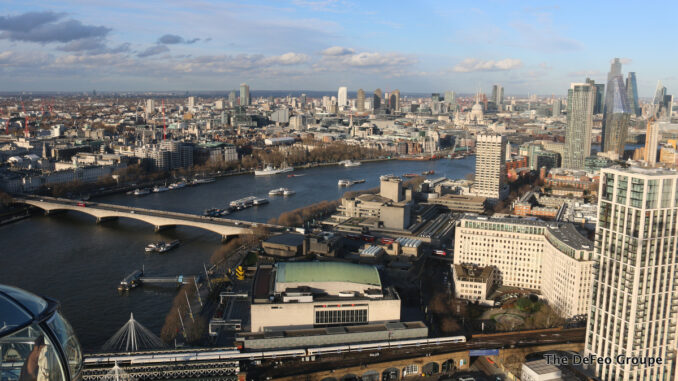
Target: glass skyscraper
<point x="632" y="93"/>
<point x="599" y="96"/>
<point x="580" y="100"/>
<point x="245" y="99"/>
<point x="616" y="113"/>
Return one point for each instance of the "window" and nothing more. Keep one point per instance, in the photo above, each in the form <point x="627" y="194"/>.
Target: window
<point x="340" y="316"/>
<point x="29" y="354"/>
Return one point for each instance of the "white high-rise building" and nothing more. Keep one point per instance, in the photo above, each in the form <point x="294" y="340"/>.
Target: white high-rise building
<point x="191" y="102"/>
<point x="580" y="101"/>
<point x="651" y="142"/>
<point x="342" y="97"/>
<point x="490" y="176"/>
<point x="150" y="107"/>
<point x="634" y="306"/>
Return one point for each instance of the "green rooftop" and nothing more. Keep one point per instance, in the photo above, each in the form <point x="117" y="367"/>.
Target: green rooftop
<point x="302" y="272"/>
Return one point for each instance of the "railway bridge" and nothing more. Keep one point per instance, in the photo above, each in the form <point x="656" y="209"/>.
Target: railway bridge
<point x="159" y="219"/>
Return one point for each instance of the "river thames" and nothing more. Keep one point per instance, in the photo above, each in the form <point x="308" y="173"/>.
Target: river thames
<point x="78" y="262"/>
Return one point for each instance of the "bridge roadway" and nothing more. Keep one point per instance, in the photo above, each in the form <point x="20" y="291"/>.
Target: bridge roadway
<point x="279" y="363"/>
<point x="158" y="218"/>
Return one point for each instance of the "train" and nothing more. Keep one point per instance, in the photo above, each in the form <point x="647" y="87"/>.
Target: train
<point x="236" y="355"/>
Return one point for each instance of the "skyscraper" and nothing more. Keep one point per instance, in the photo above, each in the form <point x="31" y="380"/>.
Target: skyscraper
<point x="450" y="98"/>
<point x="378" y="98"/>
<point x="360" y="101"/>
<point x="580" y="99"/>
<point x="245" y="99"/>
<point x="632" y="93"/>
<point x="634" y="305"/>
<point x="342" y="97"/>
<point x="651" y="142"/>
<point x="490" y="175"/>
<point x="191" y="102"/>
<point x="232" y="98"/>
<point x="616" y="112"/>
<point x="497" y="95"/>
<point x="599" y="96"/>
<point x="394" y="101"/>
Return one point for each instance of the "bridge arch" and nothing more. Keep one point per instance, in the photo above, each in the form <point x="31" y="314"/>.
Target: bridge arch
<point x="449" y="366"/>
<point x="350" y="377"/>
<point x="430" y="369"/>
<point x="370" y="375"/>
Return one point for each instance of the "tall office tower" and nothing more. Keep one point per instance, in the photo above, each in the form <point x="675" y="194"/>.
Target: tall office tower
<point x="342" y="97"/>
<point x="450" y="98"/>
<point x="377" y="99"/>
<point x="634" y="307"/>
<point x="497" y="95"/>
<point x="615" y="69"/>
<point x="150" y="108"/>
<point x="245" y="99"/>
<point x="651" y="142"/>
<point x="360" y="101"/>
<point x="616" y="117"/>
<point x="232" y="98"/>
<point x="302" y="99"/>
<point x="599" y="96"/>
<point x="556" y="107"/>
<point x="490" y="177"/>
<point x="580" y="100"/>
<point x="394" y="100"/>
<point x="632" y="93"/>
<point x="191" y="102"/>
<point x="661" y="103"/>
<point x="435" y="97"/>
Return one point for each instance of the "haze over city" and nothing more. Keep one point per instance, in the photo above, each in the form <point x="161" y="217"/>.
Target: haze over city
<point x="531" y="47"/>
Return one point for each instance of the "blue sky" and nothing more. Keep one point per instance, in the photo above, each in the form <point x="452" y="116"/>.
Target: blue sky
<point x="417" y="46"/>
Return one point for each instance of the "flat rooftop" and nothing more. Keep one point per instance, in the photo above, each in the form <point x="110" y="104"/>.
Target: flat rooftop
<point x="312" y="272"/>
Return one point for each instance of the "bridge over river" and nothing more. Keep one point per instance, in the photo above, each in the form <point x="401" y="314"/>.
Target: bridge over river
<point x="160" y="219"/>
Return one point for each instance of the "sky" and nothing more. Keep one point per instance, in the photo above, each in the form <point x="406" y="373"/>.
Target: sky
<point x="529" y="47"/>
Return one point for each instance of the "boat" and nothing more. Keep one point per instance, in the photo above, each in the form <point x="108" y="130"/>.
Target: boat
<point x="141" y="192"/>
<point x="293" y="175"/>
<point x="350" y="163"/>
<point x="344" y="183"/>
<point x="288" y="192"/>
<point x="260" y="201"/>
<point x="203" y="181"/>
<point x="358" y="181"/>
<point x="429" y="172"/>
<point x="131" y="281"/>
<point x="269" y="170"/>
<point x="167" y="246"/>
<point x="243" y="203"/>
<point x="178" y="185"/>
<point x="276" y="192"/>
<point x="153" y="246"/>
<point x="410" y="175"/>
<point x="158" y="189"/>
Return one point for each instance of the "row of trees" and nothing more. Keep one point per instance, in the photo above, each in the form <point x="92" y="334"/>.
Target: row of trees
<point x="192" y="328"/>
<point x="325" y="153"/>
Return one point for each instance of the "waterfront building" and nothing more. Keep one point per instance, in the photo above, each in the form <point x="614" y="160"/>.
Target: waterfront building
<point x="550" y="257"/>
<point x="634" y="305"/>
<point x="490" y="175"/>
<point x="389" y="209"/>
<point x="580" y="100"/>
<point x="301" y="295"/>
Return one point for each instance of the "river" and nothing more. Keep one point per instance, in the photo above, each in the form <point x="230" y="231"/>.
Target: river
<point x="71" y="258"/>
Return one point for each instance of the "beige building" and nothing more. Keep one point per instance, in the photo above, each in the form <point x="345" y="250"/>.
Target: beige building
<point x="549" y="257"/>
<point x="490" y="175"/>
<point x="474" y="283"/>
<point x="389" y="209"/>
<point x="300" y="295"/>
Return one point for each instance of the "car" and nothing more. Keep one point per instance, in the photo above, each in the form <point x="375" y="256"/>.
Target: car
<point x="82" y="204"/>
<point x="131" y="211"/>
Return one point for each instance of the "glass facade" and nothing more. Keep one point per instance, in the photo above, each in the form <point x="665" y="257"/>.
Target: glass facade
<point x="580" y="100"/>
<point x="326" y="317"/>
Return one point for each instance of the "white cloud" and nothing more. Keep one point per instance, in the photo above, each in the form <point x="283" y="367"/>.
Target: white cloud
<point x="337" y="51"/>
<point x="474" y="64"/>
<point x="288" y="59"/>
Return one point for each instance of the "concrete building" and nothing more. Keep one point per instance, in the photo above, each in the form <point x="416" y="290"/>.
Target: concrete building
<point x="301" y="295"/>
<point x="474" y="283"/>
<point x="530" y="254"/>
<point x="389" y="209"/>
<point x="651" y="142"/>
<point x="360" y="101"/>
<point x="634" y="307"/>
<point x="540" y="370"/>
<point x="580" y="100"/>
<point x="490" y="175"/>
<point x="342" y="97"/>
<point x="245" y="98"/>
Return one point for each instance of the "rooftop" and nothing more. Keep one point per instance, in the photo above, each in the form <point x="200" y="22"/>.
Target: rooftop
<point x="306" y="272"/>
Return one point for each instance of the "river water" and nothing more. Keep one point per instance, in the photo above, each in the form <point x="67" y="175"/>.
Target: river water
<point x="71" y="258"/>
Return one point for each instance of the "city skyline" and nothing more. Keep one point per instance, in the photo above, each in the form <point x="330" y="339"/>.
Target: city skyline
<point x="320" y="45"/>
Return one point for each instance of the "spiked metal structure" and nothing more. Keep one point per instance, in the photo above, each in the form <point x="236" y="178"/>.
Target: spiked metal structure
<point x="132" y="337"/>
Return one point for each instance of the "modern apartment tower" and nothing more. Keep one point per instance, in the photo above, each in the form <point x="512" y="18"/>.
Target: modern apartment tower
<point x="342" y="97"/>
<point x="599" y="96"/>
<point x="497" y="95"/>
<point x="378" y="99"/>
<point x="651" y="142"/>
<point x="245" y="99"/>
<point x="360" y="101"/>
<point x="634" y="304"/>
<point x="490" y="176"/>
<point x="580" y="100"/>
<point x="632" y="93"/>
<point x="616" y="113"/>
<point x="394" y="100"/>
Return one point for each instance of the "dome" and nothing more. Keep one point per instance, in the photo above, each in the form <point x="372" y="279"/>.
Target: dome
<point x="477" y="108"/>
